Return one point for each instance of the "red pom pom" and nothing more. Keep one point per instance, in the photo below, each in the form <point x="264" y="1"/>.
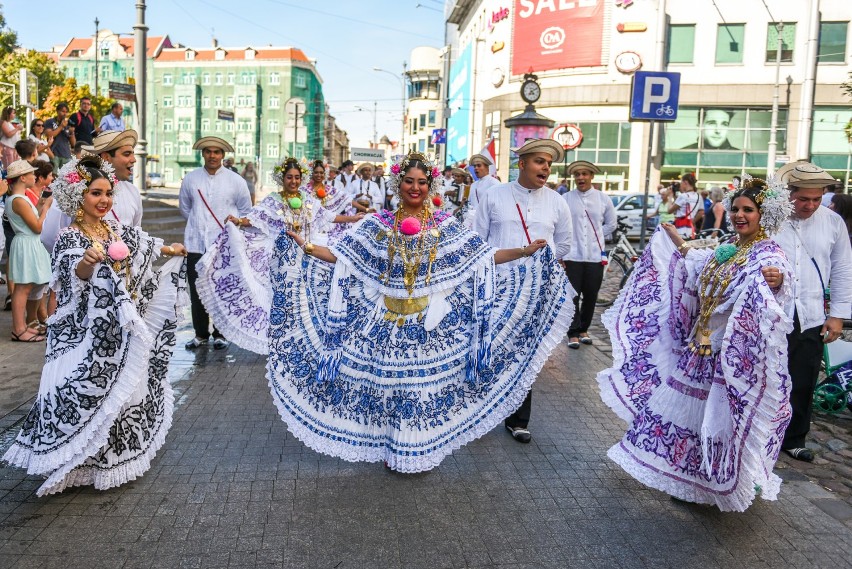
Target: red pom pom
<point x="437" y="201"/>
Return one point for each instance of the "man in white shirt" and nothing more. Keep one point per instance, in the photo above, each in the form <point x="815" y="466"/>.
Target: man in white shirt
<point x="484" y="180"/>
<point x="515" y="214"/>
<point x="593" y="220"/>
<point x="117" y="149"/>
<point x="816" y="243"/>
<point x="365" y="193"/>
<point x="208" y="196"/>
<point x="346" y="176"/>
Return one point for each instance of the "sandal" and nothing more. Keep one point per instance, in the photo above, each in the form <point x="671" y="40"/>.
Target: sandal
<point x="33" y="337"/>
<point x="39" y="326"/>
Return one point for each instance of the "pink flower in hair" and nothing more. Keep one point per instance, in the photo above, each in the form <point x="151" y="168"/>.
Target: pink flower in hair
<point x="72" y="177"/>
<point x="395" y="169"/>
<point x="435" y="172"/>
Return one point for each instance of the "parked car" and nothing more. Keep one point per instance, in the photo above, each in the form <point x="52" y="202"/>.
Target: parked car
<point x="155" y="179"/>
<point x="629" y="205"/>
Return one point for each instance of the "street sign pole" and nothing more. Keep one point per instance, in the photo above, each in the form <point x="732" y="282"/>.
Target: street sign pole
<point x="648" y="163"/>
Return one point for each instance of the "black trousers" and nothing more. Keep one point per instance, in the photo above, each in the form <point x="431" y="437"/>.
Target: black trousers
<point x="804" y="354"/>
<point x="200" y="318"/>
<point x="586" y="278"/>
<point x="521" y="417"/>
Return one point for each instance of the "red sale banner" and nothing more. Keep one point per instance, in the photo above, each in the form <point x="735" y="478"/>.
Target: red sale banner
<point x="556" y="34"/>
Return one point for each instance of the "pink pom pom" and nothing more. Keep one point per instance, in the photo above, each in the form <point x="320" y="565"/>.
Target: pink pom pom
<point x="395" y="169"/>
<point x="72" y="177"/>
<point x="410" y="226"/>
<point x="118" y="251"/>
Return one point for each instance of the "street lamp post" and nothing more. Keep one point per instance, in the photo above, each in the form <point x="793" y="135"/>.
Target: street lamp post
<point x="402" y="102"/>
<point x="565" y="139"/>
<point x="773" y="129"/>
<point x="375" y="133"/>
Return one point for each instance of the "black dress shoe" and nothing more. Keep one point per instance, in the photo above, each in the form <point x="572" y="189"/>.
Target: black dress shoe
<point x="803" y="454"/>
<point x="520" y="434"/>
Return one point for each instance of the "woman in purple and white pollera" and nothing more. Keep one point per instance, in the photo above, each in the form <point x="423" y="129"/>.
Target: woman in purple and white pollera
<point x="700" y="358"/>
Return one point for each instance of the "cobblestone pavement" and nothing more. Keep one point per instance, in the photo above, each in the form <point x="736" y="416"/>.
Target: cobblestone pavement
<point x="231" y="488"/>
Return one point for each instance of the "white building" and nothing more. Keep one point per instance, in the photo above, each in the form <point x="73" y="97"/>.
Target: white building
<point x="585" y="52"/>
<point x="425" y="105"/>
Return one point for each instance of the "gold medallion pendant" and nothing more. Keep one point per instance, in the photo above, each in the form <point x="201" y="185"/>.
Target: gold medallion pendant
<point x="399" y="308"/>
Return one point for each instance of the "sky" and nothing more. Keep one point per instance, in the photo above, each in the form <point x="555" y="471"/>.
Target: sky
<point x="347" y="38"/>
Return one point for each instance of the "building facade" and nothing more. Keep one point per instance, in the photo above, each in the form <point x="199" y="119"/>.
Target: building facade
<point x="336" y="142"/>
<point x="425" y="102"/>
<point x="585" y="53"/>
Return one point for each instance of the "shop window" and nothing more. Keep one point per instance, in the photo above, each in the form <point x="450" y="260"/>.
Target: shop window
<point x="729" y="43"/>
<point x="788" y="37"/>
<point x="832" y="42"/>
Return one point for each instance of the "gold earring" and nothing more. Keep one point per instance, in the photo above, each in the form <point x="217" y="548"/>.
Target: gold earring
<point x="78" y="217"/>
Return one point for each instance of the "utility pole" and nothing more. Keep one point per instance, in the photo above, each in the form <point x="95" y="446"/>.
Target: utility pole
<point x="140" y="57"/>
<point x="97" y="71"/>
<point x="295" y="128"/>
<point x="773" y="128"/>
<point x="375" y="133"/>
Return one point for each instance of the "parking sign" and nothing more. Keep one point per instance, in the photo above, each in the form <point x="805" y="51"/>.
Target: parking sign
<point x="654" y="96"/>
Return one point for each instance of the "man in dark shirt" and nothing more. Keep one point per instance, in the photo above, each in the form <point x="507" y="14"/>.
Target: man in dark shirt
<point x="63" y="136"/>
<point x="83" y="122"/>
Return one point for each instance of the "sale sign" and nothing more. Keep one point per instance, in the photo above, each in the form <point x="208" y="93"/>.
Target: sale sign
<point x="556" y="34"/>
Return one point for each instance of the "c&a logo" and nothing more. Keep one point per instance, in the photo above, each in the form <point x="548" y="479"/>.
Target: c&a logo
<point x="552" y="38"/>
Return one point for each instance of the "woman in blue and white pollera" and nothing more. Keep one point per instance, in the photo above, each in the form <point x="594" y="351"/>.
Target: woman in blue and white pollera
<point x="233" y="275"/>
<point x="400" y="343"/>
<point x="104" y="404"/>
<point x="700" y="358"/>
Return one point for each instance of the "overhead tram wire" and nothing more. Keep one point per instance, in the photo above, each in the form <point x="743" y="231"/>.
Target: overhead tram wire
<point x="191" y="16"/>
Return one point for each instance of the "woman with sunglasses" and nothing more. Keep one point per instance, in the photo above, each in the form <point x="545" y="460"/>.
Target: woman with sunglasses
<point x="37" y="135"/>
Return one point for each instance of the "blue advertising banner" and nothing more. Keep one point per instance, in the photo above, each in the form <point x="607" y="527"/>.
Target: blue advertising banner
<point x="458" y="125"/>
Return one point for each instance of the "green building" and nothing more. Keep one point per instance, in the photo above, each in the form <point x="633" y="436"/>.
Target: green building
<point x="267" y="101"/>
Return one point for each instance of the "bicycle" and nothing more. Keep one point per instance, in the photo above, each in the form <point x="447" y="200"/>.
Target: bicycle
<point x="620" y="260"/>
<point x="666" y="110"/>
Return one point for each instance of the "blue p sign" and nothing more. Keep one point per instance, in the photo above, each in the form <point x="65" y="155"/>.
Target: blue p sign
<point x="654" y="96"/>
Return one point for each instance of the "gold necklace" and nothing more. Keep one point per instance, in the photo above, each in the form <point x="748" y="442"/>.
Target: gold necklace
<point x="100" y="236"/>
<point x="296" y="218"/>
<point x="712" y="287"/>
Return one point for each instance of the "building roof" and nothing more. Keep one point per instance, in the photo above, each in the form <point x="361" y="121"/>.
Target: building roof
<point x="233" y="54"/>
<point x="154" y="45"/>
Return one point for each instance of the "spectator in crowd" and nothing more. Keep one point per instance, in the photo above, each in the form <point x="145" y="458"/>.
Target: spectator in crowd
<point x="563" y="189"/>
<point x="78" y="149"/>
<point x="37" y="307"/>
<point x="29" y="263"/>
<point x="83" y="122"/>
<point x="716" y="216"/>
<point x="366" y="195"/>
<point x="229" y="164"/>
<point x="62" y="135"/>
<point x="250" y="176"/>
<point x="10" y="133"/>
<point x="686" y="206"/>
<point x="37" y="135"/>
<point x="666" y="200"/>
<point x="26" y="149"/>
<point x="114" y="120"/>
<point x="346" y="174"/>
<point x="841" y="204"/>
<point x="829" y="193"/>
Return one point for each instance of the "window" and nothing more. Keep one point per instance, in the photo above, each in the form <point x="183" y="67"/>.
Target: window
<point x="105" y="47"/>
<point x="274" y="78"/>
<point x="250" y="53"/>
<point x="300" y="81"/>
<point x="229" y="126"/>
<point x="188" y="79"/>
<point x="205" y="102"/>
<point x="205" y="79"/>
<point x="729" y="43"/>
<point x="169" y="173"/>
<point x="273" y="127"/>
<point x="218" y="78"/>
<point x="241" y="100"/>
<point x="218" y="126"/>
<point x="244" y="78"/>
<point x="829" y="146"/>
<point x="189" y="55"/>
<point x="185" y="124"/>
<point x="218" y="102"/>
<point x="272" y="151"/>
<point x="167" y="125"/>
<point x="245" y="148"/>
<point x="421" y="145"/>
<point x="680" y="43"/>
<point x="229" y="102"/>
<point x="205" y="124"/>
<point x="432" y="118"/>
<point x="231" y="78"/>
<point x="788" y="37"/>
<point x="274" y="102"/>
<point x="422" y="122"/>
<point x="413" y="126"/>
<point x="832" y="42"/>
<point x="220" y="54"/>
<point x="167" y="79"/>
<point x="167" y="102"/>
<point x="168" y="149"/>
<point x="185" y="148"/>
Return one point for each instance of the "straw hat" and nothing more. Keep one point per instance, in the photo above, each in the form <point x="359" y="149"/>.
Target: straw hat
<point x="212" y="142"/>
<point x="19" y="168"/>
<point x="582" y="165"/>
<point x="546" y="145"/>
<point x="480" y="158"/>
<point x="363" y="165"/>
<point x="804" y="174"/>
<point x="111" y="140"/>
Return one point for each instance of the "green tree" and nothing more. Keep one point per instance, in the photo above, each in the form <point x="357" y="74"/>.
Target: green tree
<point x="847" y="88"/>
<point x="8" y="38"/>
<point x="43" y="67"/>
<point x="71" y="93"/>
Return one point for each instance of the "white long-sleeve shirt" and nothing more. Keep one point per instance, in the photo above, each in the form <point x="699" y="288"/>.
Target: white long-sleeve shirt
<point x="477" y="190"/>
<point x="126" y="209"/>
<point x="545" y="212"/>
<point x="587" y="240"/>
<point x="825" y="238"/>
<point x="368" y="187"/>
<point x="226" y="192"/>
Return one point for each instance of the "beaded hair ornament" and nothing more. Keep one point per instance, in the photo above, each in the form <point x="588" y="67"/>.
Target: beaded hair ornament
<point x="73" y="181"/>
<point x="773" y="201"/>
<point x="281" y="169"/>
<point x="398" y="170"/>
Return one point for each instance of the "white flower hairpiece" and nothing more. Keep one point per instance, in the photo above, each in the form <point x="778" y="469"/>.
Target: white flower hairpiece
<point x="773" y="201"/>
<point x="73" y="181"/>
<point x="279" y="170"/>
<point x="433" y="173"/>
